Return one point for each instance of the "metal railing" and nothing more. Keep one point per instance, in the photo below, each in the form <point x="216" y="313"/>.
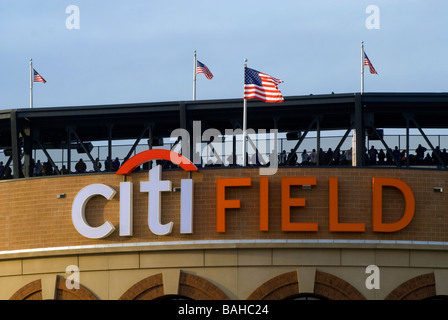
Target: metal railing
<point x="218" y="153"/>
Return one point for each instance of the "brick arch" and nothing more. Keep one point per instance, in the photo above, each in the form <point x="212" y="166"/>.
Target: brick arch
<point x="33" y="291"/>
<point x="280" y="287"/>
<point x="63" y="293"/>
<point x="417" y="288"/>
<point x="190" y="286"/>
<point x="147" y="289"/>
<point x="30" y="291"/>
<point x="286" y="286"/>
<point x="197" y="288"/>
<point x="331" y="287"/>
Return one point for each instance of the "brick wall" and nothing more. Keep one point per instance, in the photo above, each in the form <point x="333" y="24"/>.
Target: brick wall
<point x="31" y="215"/>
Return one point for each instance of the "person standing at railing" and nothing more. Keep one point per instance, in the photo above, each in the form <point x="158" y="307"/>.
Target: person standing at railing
<point x="64" y="169"/>
<point x="313" y="157"/>
<point x="434" y="156"/>
<point x="98" y="164"/>
<point x="396" y="154"/>
<point x="305" y="158"/>
<point x="445" y="156"/>
<point x="80" y="166"/>
<point x="428" y="159"/>
<point x="420" y="151"/>
<point x="343" y="158"/>
<point x="282" y="158"/>
<point x="115" y="164"/>
<point x="348" y="156"/>
<point x="292" y="158"/>
<point x="38" y="169"/>
<point x="372" y="155"/>
<point x="107" y="164"/>
<point x="381" y="157"/>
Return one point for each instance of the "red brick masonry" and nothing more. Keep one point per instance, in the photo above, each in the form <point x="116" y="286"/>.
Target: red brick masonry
<point x="31" y="215"/>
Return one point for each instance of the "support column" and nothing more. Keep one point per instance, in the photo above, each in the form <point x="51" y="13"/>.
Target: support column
<point x="69" y="150"/>
<point x="109" y="149"/>
<point x="27" y="152"/>
<point x="318" y="143"/>
<point x="407" y="142"/>
<point x="182" y="115"/>
<point x="150" y="145"/>
<point x="15" y="145"/>
<point x="359" y="131"/>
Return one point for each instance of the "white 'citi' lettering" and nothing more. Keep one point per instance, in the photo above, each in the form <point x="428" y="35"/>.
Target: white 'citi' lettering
<point x="154" y="187"/>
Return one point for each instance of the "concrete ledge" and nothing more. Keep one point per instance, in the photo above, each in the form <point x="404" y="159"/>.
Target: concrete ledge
<point x="224" y="244"/>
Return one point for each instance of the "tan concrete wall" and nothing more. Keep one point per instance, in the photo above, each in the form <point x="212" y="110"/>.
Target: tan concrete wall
<point x="236" y="271"/>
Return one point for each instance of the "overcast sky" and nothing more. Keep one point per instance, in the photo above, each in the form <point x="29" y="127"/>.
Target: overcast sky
<point x="142" y="50"/>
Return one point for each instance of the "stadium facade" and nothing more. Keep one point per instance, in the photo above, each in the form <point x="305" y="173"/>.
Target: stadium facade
<point x="320" y="231"/>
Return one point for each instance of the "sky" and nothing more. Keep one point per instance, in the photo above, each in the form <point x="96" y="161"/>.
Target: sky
<point x="142" y="50"/>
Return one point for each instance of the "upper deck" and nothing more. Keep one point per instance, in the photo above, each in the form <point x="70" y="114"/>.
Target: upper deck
<point x="23" y="131"/>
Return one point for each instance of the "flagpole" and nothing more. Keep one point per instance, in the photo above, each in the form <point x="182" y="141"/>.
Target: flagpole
<point x="244" y="119"/>
<point x="194" y="75"/>
<point x="31" y="83"/>
<point x="362" y="67"/>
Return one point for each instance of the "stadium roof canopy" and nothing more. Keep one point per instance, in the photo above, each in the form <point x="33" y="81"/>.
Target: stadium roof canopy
<point x="22" y="130"/>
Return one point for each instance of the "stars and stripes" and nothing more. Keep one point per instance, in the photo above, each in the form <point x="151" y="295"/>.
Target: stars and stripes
<point x="202" y="68"/>
<point x="368" y="63"/>
<point x="261" y="86"/>
<point x="38" y="77"/>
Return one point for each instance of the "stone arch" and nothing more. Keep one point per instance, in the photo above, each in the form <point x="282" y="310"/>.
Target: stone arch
<point x="417" y="288"/>
<point x="190" y="286"/>
<point x="33" y="291"/>
<point x="286" y="286"/>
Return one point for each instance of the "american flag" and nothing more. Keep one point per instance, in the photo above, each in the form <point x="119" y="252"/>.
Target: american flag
<point x="368" y="63"/>
<point x="202" y="68"/>
<point x="38" y="77"/>
<point x="261" y="86"/>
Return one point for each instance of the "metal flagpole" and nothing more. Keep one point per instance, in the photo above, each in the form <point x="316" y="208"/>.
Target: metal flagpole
<point x="244" y="119"/>
<point x="354" y="151"/>
<point x="31" y="83"/>
<point x="362" y="67"/>
<point x="194" y="75"/>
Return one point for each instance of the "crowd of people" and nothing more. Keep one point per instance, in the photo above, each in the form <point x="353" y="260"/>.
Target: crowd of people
<point x="312" y="158"/>
<point x="37" y="168"/>
<point x="421" y="156"/>
<point x="344" y="158"/>
<point x="109" y="165"/>
<point x="371" y="157"/>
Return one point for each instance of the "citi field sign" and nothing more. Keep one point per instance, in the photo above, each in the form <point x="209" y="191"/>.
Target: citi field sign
<point x="155" y="186"/>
